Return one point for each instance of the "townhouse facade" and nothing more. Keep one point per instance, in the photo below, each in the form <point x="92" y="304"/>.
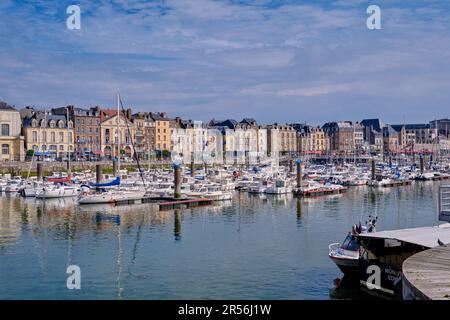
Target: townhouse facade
<point x="282" y="139"/>
<point x="145" y="139"/>
<point x="87" y="132"/>
<point x="48" y="134"/>
<point x="12" y="141"/>
<point x="311" y="140"/>
<point x="116" y="134"/>
<point x="342" y="137"/>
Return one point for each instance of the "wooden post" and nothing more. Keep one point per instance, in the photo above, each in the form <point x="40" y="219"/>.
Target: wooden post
<point x="115" y="173"/>
<point x="98" y="173"/>
<point x="421" y="164"/>
<point x="299" y="173"/>
<point x="40" y="172"/>
<point x="192" y="169"/>
<point x="373" y="170"/>
<point x="177" y="181"/>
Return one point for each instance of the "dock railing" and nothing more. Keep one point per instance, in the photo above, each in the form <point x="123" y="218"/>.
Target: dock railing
<point x="444" y="203"/>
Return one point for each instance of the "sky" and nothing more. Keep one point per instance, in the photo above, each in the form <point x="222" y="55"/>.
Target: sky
<point x="272" y="60"/>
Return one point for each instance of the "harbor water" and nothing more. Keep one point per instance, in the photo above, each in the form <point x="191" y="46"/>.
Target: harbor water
<point x="253" y="247"/>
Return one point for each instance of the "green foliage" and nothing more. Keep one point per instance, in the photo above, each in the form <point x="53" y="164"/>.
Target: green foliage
<point x="166" y="153"/>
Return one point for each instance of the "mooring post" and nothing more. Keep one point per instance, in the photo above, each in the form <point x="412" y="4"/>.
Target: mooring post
<point x="373" y="170"/>
<point x="98" y="173"/>
<point x="299" y="173"/>
<point x="39" y="171"/>
<point x="192" y="169"/>
<point x="115" y="173"/>
<point x="421" y="164"/>
<point x="68" y="166"/>
<point x="177" y="181"/>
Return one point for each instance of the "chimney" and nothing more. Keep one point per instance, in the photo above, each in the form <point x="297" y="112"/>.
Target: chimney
<point x="163" y="114"/>
<point x="129" y="113"/>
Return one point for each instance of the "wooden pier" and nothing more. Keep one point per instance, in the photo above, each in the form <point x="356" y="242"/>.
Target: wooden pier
<point x="396" y="184"/>
<point x="439" y="178"/>
<point x="319" y="192"/>
<point x="391" y="184"/>
<point x="184" y="203"/>
<point x="426" y="275"/>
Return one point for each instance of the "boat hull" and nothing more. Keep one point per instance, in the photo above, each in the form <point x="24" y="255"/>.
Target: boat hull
<point x="111" y="197"/>
<point x="348" y="266"/>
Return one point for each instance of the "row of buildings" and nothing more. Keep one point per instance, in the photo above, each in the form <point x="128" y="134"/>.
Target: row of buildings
<point x="97" y="133"/>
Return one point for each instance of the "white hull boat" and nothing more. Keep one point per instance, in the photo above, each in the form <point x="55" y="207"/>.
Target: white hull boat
<point x="57" y="192"/>
<point x="111" y="196"/>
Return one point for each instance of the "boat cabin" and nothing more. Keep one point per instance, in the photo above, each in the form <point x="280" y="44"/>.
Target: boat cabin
<point x="387" y="250"/>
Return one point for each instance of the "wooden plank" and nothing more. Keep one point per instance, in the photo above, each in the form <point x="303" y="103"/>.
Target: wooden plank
<point x="429" y="272"/>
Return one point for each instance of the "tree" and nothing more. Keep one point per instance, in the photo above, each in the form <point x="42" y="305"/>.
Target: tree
<point x="30" y="153"/>
<point x="165" y="153"/>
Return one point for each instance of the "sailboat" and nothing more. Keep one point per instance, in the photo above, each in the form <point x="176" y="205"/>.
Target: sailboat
<point x="103" y="192"/>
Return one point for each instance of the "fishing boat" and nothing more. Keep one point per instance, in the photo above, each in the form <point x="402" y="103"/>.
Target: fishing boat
<point x="346" y="255"/>
<point x="280" y="187"/>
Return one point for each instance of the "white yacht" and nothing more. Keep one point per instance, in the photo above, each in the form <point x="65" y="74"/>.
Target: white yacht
<point x="57" y="191"/>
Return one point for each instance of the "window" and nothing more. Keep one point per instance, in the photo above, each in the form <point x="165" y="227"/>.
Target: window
<point x="5" y="147"/>
<point x="61" y="137"/>
<point x="52" y="124"/>
<point x="44" y="136"/>
<point x="70" y="137"/>
<point x="61" y="147"/>
<point x="53" y="137"/>
<point x="34" y="136"/>
<point x="5" y="129"/>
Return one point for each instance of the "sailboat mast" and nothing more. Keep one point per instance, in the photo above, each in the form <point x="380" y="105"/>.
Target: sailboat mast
<point x="118" y="133"/>
<point x="68" y="137"/>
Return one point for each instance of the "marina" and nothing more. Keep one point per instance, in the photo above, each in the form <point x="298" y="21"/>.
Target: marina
<point x="155" y="252"/>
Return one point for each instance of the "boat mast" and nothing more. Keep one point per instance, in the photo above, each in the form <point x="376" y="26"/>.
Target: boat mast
<point x="68" y="136"/>
<point x="118" y="133"/>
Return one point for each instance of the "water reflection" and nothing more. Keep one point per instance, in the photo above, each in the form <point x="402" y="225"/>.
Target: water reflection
<point x="253" y="247"/>
<point x="177" y="225"/>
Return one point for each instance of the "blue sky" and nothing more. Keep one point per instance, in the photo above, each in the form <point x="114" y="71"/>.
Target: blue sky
<point x="276" y="61"/>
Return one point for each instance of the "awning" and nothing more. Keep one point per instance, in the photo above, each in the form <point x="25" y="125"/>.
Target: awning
<point x="41" y="153"/>
<point x="423" y="236"/>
